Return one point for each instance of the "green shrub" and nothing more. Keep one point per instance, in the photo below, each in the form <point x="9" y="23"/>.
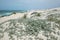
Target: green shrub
<point x="25" y="15"/>
<point x="13" y="12"/>
<point x="38" y="14"/>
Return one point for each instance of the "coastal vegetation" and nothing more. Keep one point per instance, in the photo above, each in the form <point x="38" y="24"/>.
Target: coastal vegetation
<point x="32" y="28"/>
<point x="13" y="12"/>
<point x="25" y="16"/>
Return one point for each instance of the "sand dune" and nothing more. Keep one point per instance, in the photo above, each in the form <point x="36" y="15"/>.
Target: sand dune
<point x="31" y="25"/>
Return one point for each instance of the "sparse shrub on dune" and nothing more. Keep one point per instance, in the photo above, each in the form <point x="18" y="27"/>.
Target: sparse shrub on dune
<point x="58" y="21"/>
<point x="1" y="32"/>
<point x="25" y="16"/>
<point x="33" y="13"/>
<point x="53" y="17"/>
<point x="2" y="16"/>
<point x="55" y="10"/>
<point x="13" y="12"/>
<point x="38" y="14"/>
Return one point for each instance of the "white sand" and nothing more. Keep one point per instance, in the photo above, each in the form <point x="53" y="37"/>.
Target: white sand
<point x="13" y="16"/>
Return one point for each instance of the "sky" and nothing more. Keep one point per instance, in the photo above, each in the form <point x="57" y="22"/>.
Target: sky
<point x="28" y="4"/>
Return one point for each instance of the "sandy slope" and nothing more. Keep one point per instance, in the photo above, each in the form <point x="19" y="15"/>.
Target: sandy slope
<point x="13" y="16"/>
<point x="44" y="14"/>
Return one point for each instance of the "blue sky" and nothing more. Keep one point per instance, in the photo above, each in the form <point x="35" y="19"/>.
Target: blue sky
<point x="28" y="4"/>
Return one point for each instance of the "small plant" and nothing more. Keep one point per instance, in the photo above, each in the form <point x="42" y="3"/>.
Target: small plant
<point x="55" y="10"/>
<point x="38" y="14"/>
<point x="52" y="17"/>
<point x="33" y="13"/>
<point x="14" y="12"/>
<point x="24" y="16"/>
